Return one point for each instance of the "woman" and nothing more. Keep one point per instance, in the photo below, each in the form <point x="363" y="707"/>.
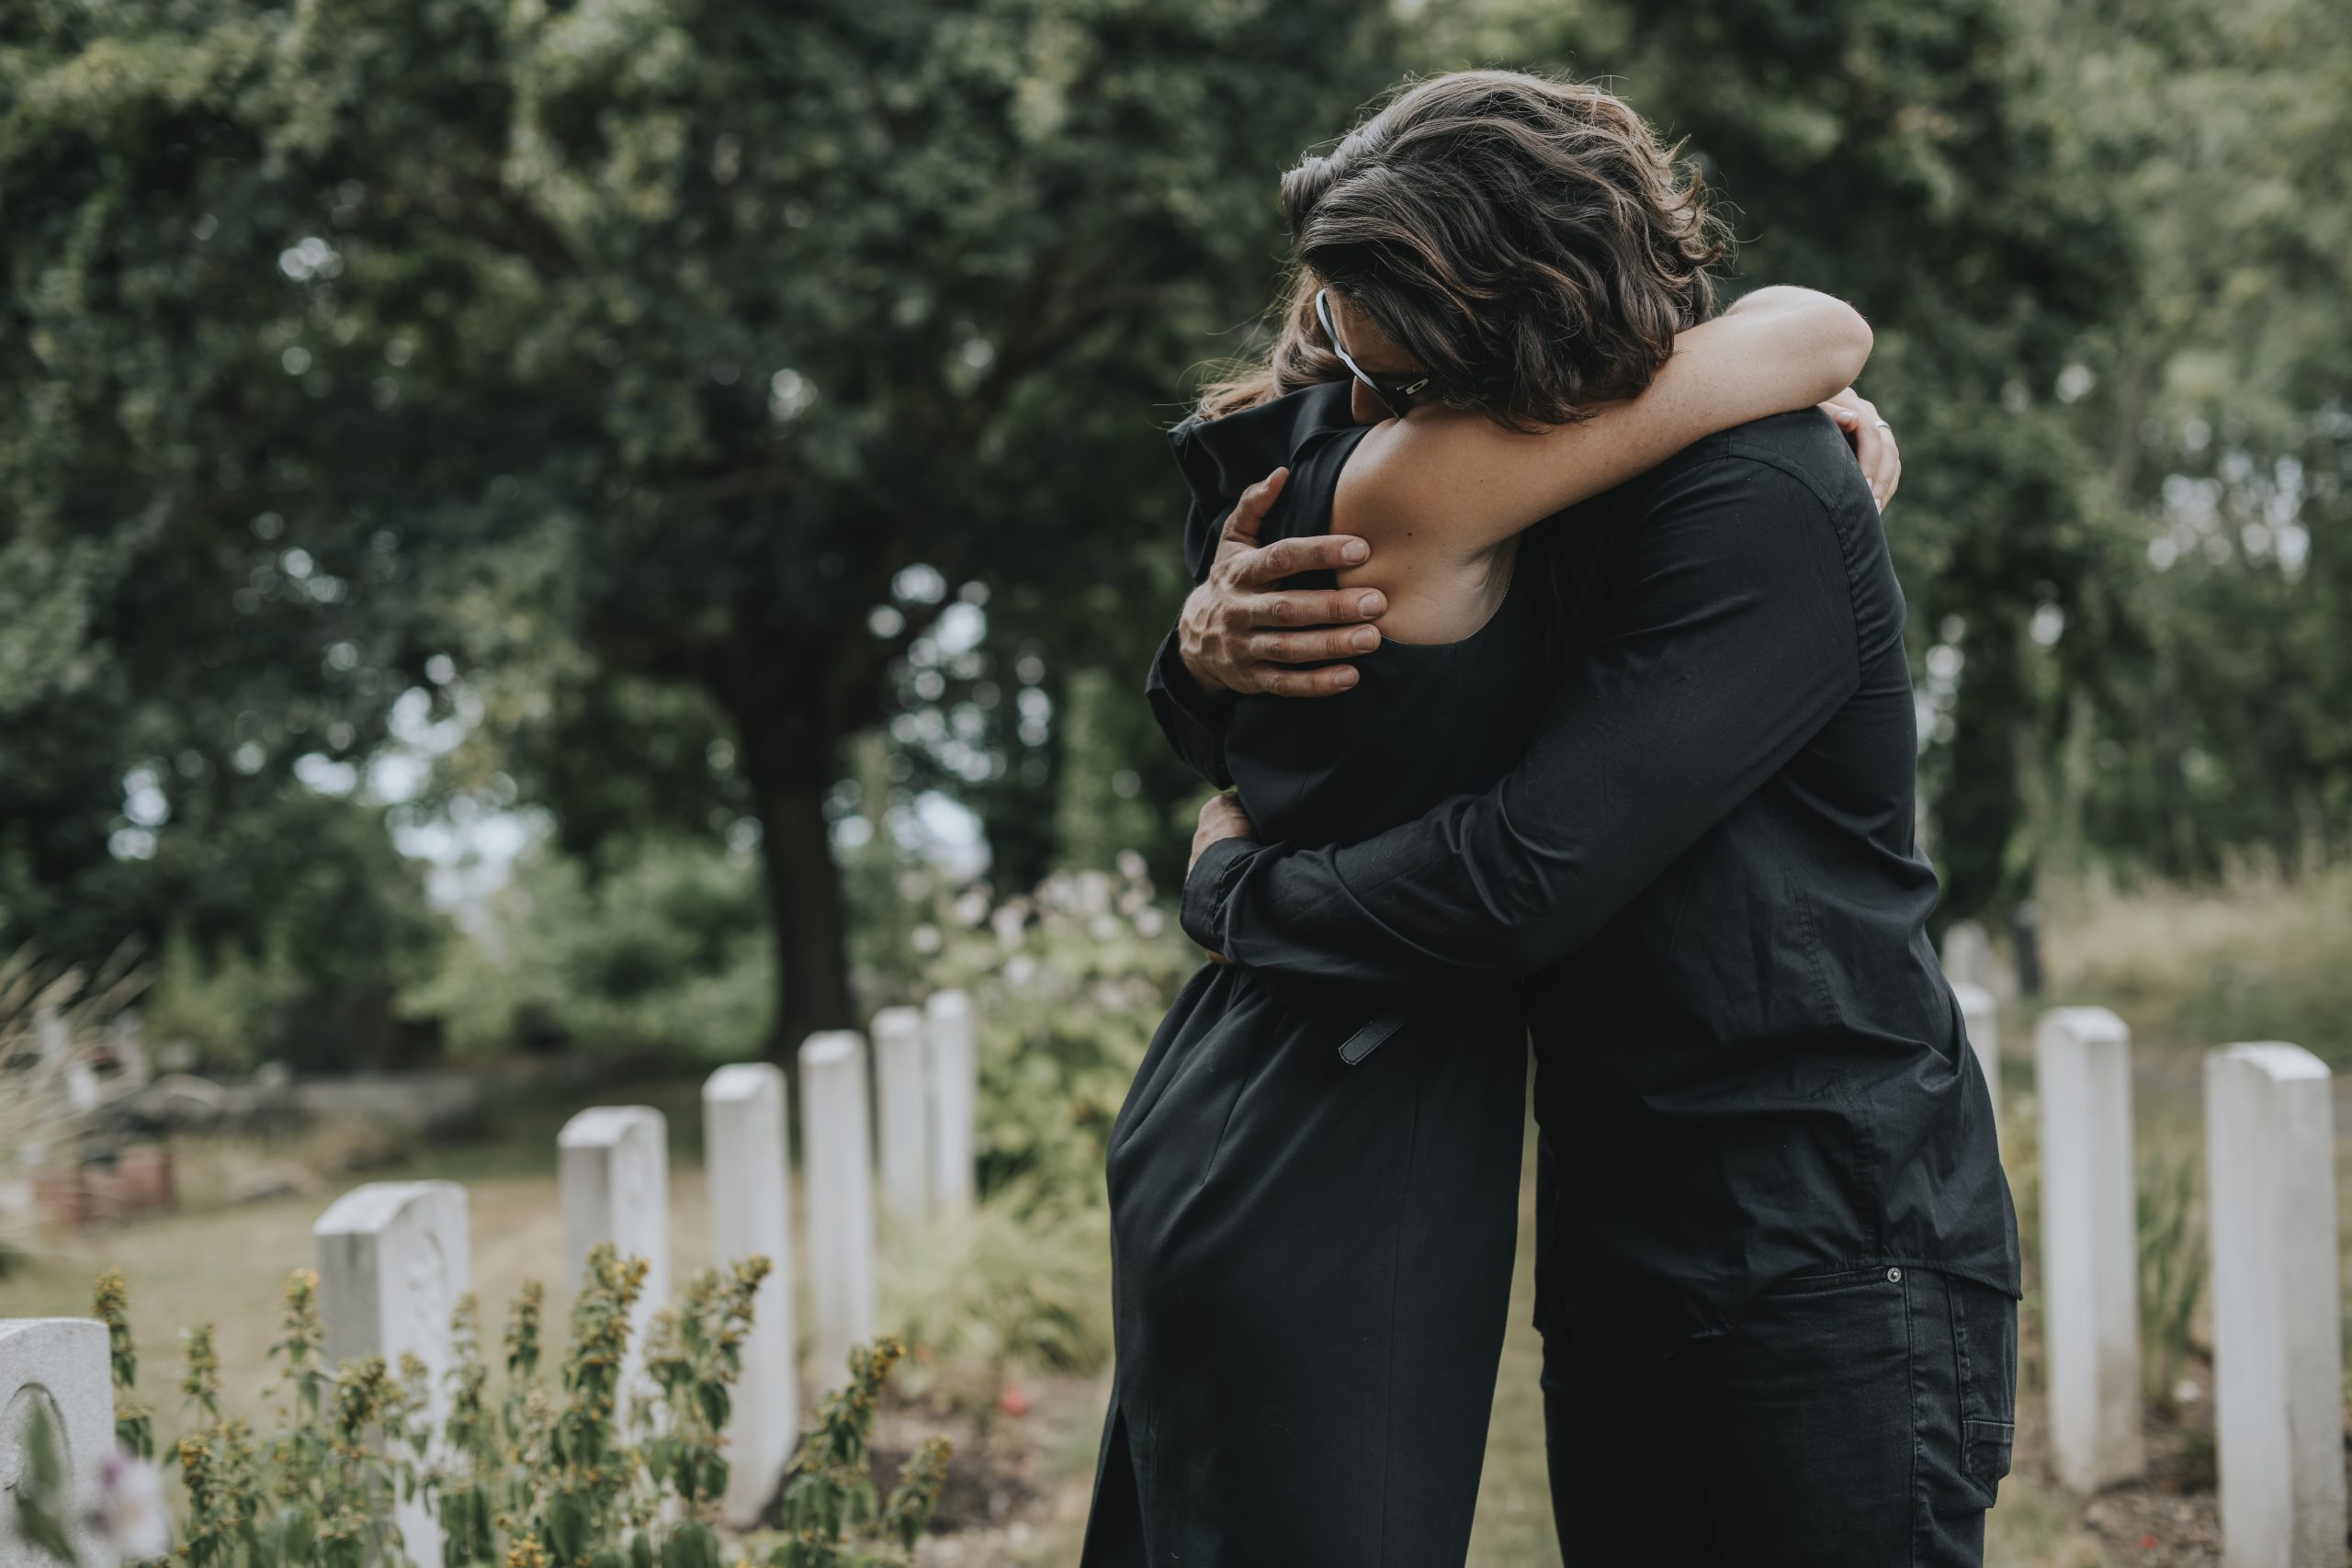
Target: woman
<point x="1499" y="313"/>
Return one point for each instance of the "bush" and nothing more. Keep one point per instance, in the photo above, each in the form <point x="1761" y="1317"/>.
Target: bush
<point x="561" y="1477"/>
<point x="1070" y="984"/>
<point x="668" y="949"/>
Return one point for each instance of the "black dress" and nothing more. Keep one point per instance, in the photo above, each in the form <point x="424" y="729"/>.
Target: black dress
<point x="1314" y="1204"/>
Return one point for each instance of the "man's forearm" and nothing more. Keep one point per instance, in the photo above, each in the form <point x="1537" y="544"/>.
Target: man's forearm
<point x="1727" y="651"/>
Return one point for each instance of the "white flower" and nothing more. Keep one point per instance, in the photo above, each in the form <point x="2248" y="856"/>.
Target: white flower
<point x="130" y="1513"/>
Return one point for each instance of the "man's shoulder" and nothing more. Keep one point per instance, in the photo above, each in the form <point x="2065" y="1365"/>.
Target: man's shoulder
<point x="1805" y="445"/>
<point x="1809" y="447"/>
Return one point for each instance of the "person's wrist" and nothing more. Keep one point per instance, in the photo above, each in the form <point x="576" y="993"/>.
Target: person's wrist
<point x="1197" y="669"/>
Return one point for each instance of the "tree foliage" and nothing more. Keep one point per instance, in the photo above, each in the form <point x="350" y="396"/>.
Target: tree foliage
<point x="726" y="348"/>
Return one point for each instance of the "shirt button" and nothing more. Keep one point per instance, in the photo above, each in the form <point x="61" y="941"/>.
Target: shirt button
<point x="1894" y="1276"/>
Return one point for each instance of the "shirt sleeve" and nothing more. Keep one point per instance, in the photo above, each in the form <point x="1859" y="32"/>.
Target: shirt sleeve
<point x="1192" y="718"/>
<point x="1727" y="640"/>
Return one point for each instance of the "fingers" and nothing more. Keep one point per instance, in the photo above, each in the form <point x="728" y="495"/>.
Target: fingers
<point x="1873" y="443"/>
<point x="1288" y="558"/>
<point x="1328" y="681"/>
<point x="1874" y="448"/>
<point x="1313" y="647"/>
<point x="1250" y="512"/>
<point x="1307" y="607"/>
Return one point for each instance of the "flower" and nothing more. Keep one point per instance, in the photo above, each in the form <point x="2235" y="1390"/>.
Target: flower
<point x="129" y="1513"/>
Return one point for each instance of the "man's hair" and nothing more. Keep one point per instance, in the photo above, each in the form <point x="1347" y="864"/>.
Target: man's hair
<point x="1528" y="241"/>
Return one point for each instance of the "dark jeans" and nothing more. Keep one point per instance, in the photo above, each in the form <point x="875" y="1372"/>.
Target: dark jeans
<point x="1860" y="1419"/>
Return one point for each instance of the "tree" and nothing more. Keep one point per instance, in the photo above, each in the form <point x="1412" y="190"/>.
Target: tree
<point x="2221" y="408"/>
<point x="720" y="348"/>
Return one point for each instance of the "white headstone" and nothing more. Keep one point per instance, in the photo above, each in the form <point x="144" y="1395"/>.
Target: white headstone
<point x="612" y="1165"/>
<point x="1969" y="957"/>
<point x="902" y="1114"/>
<point x="2277" y="1352"/>
<point x="2090" y="1247"/>
<point x="393" y="1259"/>
<point x="1982" y="1017"/>
<point x="58" y="1364"/>
<point x="751" y="1216"/>
<point x="837" y="1170"/>
<point x="954" y="1097"/>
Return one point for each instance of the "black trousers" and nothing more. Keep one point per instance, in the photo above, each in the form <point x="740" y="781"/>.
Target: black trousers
<point x="1861" y="1419"/>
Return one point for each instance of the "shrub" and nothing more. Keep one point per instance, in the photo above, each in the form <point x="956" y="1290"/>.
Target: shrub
<point x="562" y="1477"/>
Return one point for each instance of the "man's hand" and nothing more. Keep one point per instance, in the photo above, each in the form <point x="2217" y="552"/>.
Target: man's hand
<point x="1238" y="635"/>
<point x="1221" y="818"/>
<point x="1873" y="442"/>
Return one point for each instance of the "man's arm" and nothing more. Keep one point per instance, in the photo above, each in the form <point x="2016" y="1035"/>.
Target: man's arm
<point x="1243" y="634"/>
<point x="1730" y="639"/>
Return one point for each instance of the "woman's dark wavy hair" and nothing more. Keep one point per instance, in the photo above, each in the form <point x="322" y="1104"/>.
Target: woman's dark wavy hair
<point x="1528" y="241"/>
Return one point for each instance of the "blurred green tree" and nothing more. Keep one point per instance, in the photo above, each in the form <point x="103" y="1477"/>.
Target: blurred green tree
<point x="1911" y="159"/>
<point x="2222" y="410"/>
<point x="663" y="345"/>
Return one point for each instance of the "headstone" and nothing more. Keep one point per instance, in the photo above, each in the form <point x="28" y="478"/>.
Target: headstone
<point x="2277" y="1352"/>
<point x="2024" y="940"/>
<point x="954" y="1097"/>
<point x="60" y="1365"/>
<point x="1968" y="956"/>
<point x="751" y="1216"/>
<point x="836" y="1168"/>
<point x="902" y="1114"/>
<point x="1982" y="1017"/>
<point x="612" y="1165"/>
<point x="393" y="1259"/>
<point x="2090" y="1268"/>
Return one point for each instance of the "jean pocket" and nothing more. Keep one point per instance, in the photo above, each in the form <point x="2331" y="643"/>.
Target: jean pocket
<point x="1985" y="1456"/>
<point x="1985" y="1346"/>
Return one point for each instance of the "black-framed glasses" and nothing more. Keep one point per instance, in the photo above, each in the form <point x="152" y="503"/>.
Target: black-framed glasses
<point x="1392" y="397"/>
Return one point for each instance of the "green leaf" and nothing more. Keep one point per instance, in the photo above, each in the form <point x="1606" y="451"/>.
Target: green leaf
<point x="567" y="1528"/>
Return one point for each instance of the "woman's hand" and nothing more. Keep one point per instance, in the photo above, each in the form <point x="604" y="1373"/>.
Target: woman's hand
<point x="1221" y="818"/>
<point x="1873" y="442"/>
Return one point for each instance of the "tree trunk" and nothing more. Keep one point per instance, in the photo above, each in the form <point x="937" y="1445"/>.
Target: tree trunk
<point x="804" y="897"/>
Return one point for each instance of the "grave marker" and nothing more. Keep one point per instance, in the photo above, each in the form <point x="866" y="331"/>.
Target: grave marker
<point x="393" y="1259"/>
<point x="837" y="1169"/>
<point x="954" y="1097"/>
<point x="2090" y="1270"/>
<point x="750" y="1215"/>
<point x="2278" y="1355"/>
<point x="58" y="1365"/>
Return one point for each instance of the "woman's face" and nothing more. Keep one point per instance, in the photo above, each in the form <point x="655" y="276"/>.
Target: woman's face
<point x="1375" y="354"/>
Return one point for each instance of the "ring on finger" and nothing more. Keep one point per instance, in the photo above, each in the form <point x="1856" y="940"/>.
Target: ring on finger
<point x="1884" y="426"/>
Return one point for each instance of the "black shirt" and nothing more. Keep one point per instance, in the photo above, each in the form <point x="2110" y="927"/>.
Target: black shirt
<point x="1748" y="1063"/>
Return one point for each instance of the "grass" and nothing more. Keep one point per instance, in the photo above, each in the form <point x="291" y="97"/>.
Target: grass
<point x="2254" y="957"/>
<point x="227" y="1263"/>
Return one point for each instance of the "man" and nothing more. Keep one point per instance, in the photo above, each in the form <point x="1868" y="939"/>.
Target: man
<point x="1777" y="1261"/>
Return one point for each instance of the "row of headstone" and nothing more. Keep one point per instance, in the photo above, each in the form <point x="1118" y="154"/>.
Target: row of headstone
<point x="2270" y="1217"/>
<point x="394" y="1258"/>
